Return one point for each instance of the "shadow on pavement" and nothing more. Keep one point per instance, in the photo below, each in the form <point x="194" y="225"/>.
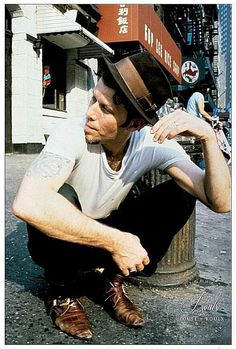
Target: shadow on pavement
<point x="20" y="269"/>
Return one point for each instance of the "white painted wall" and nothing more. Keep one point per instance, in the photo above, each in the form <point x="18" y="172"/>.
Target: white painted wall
<point x="26" y="81"/>
<point x="30" y="121"/>
<point x="79" y="89"/>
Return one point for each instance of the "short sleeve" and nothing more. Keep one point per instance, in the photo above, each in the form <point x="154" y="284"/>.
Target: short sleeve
<point x="199" y="96"/>
<point x="68" y="140"/>
<point x="170" y="152"/>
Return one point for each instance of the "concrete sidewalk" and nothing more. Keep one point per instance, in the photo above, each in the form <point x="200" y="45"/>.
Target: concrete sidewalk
<point x="197" y="314"/>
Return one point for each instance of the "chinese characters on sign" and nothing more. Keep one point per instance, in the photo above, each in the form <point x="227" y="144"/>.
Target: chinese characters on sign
<point x="164" y="54"/>
<point x="122" y="19"/>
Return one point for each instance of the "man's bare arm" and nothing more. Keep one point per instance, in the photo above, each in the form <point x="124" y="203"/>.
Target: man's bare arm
<point x="212" y="186"/>
<point x="38" y="203"/>
<point x="202" y="111"/>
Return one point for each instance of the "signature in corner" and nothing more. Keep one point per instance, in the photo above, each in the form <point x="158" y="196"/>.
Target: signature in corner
<point x="204" y="304"/>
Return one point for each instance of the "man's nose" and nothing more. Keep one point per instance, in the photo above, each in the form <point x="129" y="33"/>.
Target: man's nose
<point x="92" y="111"/>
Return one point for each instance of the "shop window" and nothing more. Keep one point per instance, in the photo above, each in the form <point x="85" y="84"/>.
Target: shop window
<point x="54" y="77"/>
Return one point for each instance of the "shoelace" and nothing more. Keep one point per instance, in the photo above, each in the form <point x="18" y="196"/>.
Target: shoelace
<point x="67" y="302"/>
<point x="72" y="319"/>
<point x="115" y="291"/>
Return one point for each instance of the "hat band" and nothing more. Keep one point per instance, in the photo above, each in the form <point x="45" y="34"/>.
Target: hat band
<point x="135" y="84"/>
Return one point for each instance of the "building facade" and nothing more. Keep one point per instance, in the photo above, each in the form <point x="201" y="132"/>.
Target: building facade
<point x="183" y="38"/>
<point x="194" y="27"/>
<point x="51" y="61"/>
<point x="225" y="48"/>
<point x="53" y="52"/>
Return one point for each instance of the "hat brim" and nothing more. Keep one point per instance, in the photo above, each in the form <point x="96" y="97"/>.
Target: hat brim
<point x="126" y="91"/>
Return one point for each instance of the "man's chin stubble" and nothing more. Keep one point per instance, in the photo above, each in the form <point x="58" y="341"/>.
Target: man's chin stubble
<point x="91" y="141"/>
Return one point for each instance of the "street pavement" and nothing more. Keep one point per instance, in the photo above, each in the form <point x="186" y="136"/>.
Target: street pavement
<point x="195" y="314"/>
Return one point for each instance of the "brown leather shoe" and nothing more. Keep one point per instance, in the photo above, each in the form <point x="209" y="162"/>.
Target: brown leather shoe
<point x="117" y="303"/>
<point x="69" y="316"/>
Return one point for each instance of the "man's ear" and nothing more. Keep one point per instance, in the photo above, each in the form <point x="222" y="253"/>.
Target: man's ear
<point x="136" y="124"/>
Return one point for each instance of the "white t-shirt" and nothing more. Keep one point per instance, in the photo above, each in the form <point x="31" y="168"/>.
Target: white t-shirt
<point x="192" y="106"/>
<point x="100" y="189"/>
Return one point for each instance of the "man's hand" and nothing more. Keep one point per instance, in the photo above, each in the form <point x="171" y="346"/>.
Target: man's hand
<point x="212" y="186"/>
<point x="181" y="122"/>
<point x="129" y="255"/>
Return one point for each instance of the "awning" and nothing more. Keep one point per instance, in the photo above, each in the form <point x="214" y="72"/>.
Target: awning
<point x="67" y="34"/>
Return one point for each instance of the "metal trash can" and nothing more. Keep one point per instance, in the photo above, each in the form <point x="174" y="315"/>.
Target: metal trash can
<point x="178" y="266"/>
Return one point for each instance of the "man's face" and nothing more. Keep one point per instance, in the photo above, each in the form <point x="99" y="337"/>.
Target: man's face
<point x="104" y="118"/>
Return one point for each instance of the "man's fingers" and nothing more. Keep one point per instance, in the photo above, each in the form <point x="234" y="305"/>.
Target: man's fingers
<point x="125" y="272"/>
<point x="136" y="268"/>
<point x="146" y="260"/>
<point x="139" y="267"/>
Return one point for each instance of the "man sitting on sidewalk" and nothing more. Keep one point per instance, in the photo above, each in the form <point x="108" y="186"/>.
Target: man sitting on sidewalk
<point x="83" y="201"/>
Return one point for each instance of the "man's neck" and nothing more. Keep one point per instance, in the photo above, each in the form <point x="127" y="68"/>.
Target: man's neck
<point x="116" y="149"/>
<point x="115" y="152"/>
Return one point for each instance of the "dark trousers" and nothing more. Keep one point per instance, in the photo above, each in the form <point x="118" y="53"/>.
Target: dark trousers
<point x="155" y="215"/>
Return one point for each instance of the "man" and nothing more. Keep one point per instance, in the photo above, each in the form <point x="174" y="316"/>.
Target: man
<point x="195" y="105"/>
<point x="85" y="207"/>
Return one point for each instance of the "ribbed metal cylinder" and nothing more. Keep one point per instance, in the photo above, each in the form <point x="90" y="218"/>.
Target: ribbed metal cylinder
<point x="178" y="265"/>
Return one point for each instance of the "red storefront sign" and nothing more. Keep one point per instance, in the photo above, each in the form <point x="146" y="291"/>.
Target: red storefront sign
<point x="128" y="22"/>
